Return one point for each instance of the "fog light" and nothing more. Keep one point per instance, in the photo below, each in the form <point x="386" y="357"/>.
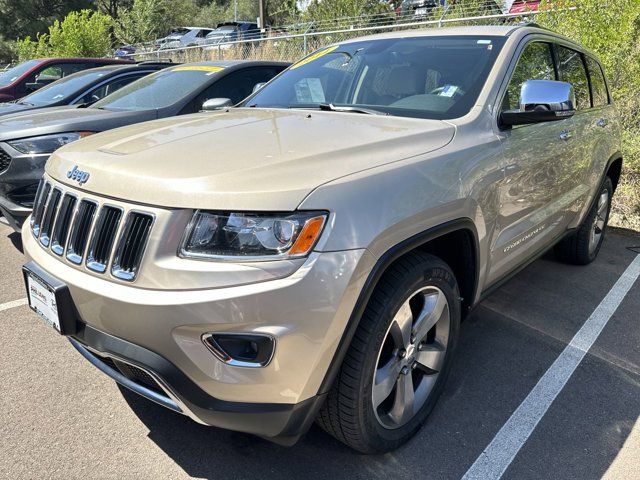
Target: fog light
<point x="241" y="349"/>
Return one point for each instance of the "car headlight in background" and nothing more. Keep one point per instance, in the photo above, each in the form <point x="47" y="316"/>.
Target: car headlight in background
<point x="46" y="143"/>
<point x="251" y="237"/>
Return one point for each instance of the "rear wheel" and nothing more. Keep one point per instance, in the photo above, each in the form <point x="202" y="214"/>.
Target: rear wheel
<point x="583" y="246"/>
<point x="400" y="356"/>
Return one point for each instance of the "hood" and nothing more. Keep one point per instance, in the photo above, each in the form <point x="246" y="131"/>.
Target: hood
<point x="245" y="158"/>
<point x="11" y="107"/>
<point x="44" y="121"/>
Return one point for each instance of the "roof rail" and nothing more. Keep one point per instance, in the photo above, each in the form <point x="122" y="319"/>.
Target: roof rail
<point x="156" y="62"/>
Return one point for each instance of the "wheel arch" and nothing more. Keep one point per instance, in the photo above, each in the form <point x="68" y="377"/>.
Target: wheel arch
<point x="442" y="241"/>
<point x="614" y="169"/>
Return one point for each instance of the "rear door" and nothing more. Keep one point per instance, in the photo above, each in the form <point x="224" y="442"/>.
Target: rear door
<point x="572" y="68"/>
<point x="531" y="197"/>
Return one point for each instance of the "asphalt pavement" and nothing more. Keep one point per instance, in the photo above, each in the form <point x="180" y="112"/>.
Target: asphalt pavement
<point x="63" y="419"/>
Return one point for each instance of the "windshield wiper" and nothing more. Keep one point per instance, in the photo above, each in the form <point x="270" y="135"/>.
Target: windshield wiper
<point x="29" y="104"/>
<point x="330" y="107"/>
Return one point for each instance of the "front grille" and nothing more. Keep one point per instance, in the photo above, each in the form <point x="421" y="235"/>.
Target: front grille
<point x="5" y="160"/>
<point x="84" y="231"/>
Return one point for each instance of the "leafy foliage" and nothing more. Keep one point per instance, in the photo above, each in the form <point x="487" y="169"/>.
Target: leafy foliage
<point x="80" y="34"/>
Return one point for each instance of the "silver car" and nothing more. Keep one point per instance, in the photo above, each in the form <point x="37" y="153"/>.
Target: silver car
<point x="311" y="254"/>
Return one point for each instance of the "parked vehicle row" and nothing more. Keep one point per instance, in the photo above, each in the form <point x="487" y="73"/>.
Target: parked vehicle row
<point x="28" y="76"/>
<point x="310" y="253"/>
<point x="102" y="99"/>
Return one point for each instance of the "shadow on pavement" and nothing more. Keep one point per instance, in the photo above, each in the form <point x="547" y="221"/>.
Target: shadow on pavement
<point x="16" y="240"/>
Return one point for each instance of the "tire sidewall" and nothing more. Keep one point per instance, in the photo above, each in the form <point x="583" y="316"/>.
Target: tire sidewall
<point x="608" y="187"/>
<point x="438" y="276"/>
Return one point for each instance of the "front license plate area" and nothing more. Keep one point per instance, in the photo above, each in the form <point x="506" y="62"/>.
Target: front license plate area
<point x="42" y="300"/>
<point x="50" y="299"/>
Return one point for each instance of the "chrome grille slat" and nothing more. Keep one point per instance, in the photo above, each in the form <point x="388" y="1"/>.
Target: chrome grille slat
<point x="38" y="212"/>
<point x="80" y="231"/>
<point x="131" y="246"/>
<point x="105" y="237"/>
<point x="62" y="224"/>
<point x="49" y="216"/>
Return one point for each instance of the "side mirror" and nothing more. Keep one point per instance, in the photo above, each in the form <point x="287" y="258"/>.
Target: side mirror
<point x="541" y="101"/>
<point x="258" y="86"/>
<point x="216" y="104"/>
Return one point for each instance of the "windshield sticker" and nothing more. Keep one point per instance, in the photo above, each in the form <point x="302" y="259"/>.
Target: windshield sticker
<point x="448" y="91"/>
<point x="309" y="90"/>
<point x="198" y="68"/>
<point x="314" y="56"/>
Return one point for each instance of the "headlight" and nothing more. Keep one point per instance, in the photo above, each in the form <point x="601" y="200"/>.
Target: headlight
<point x="251" y="237"/>
<point x="46" y="143"/>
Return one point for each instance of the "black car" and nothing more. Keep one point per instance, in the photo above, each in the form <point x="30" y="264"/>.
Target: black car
<point x="86" y="86"/>
<point x="27" y="139"/>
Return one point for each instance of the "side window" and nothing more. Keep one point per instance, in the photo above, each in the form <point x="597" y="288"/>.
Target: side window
<point x="69" y="68"/>
<point x="571" y="69"/>
<point x="238" y="85"/>
<point x="535" y="63"/>
<point x="598" y="84"/>
<point x="108" y="88"/>
<point x="51" y="72"/>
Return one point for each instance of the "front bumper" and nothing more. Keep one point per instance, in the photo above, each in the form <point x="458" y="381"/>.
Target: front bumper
<point x="159" y="331"/>
<point x="19" y="177"/>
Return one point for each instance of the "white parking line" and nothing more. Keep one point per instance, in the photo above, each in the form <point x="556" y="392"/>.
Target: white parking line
<point x="15" y="303"/>
<point x="499" y="454"/>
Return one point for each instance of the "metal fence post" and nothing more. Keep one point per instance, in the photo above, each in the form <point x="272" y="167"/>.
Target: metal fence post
<point x="304" y="38"/>
<point x="444" y="13"/>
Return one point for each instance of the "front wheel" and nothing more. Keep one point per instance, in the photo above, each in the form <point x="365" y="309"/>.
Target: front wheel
<point x="400" y="356"/>
<point x="582" y="247"/>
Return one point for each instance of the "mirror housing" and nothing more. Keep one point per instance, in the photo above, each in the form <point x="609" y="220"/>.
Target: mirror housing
<point x="258" y="86"/>
<point x="541" y="101"/>
<point x="216" y="104"/>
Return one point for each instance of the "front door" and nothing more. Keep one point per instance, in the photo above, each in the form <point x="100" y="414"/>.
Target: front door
<point x="536" y="189"/>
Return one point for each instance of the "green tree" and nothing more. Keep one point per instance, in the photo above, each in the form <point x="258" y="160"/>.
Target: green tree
<point x="150" y="19"/>
<point x="80" y="34"/>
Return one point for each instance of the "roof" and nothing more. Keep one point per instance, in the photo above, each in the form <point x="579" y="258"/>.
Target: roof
<point x="233" y="63"/>
<point x="488" y="30"/>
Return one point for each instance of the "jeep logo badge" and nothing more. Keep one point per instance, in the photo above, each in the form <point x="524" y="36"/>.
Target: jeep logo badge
<point x="78" y="175"/>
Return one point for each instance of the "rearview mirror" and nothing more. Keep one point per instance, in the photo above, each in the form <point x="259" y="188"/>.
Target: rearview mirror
<point x="541" y="101"/>
<point x="216" y="104"/>
<point x="258" y="86"/>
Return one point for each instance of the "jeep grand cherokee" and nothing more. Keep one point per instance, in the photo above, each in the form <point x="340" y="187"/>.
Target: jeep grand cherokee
<point x="311" y="254"/>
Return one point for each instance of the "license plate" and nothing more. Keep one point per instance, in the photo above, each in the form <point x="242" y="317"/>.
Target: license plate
<point x="42" y="300"/>
<point x="421" y="11"/>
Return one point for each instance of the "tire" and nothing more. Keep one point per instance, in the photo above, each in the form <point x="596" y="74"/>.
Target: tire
<point x="415" y="285"/>
<point x="583" y="246"/>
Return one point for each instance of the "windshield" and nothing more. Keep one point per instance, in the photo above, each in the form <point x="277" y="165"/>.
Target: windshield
<point x="63" y="88"/>
<point x="159" y="89"/>
<point x="221" y="31"/>
<point x="11" y="75"/>
<point x="423" y="77"/>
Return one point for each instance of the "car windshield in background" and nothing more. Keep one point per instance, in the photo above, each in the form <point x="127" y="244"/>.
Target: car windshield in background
<point x="11" y="75"/>
<point x="423" y="77"/>
<point x="159" y="89"/>
<point x="63" y="88"/>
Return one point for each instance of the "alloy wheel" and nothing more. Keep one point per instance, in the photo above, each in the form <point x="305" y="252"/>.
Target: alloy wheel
<point x="411" y="357"/>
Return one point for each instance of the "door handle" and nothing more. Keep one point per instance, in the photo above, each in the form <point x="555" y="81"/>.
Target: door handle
<point x="565" y="134"/>
<point x="602" y="122"/>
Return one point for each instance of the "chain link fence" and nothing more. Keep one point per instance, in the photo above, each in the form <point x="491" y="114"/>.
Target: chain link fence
<point x="295" y="41"/>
